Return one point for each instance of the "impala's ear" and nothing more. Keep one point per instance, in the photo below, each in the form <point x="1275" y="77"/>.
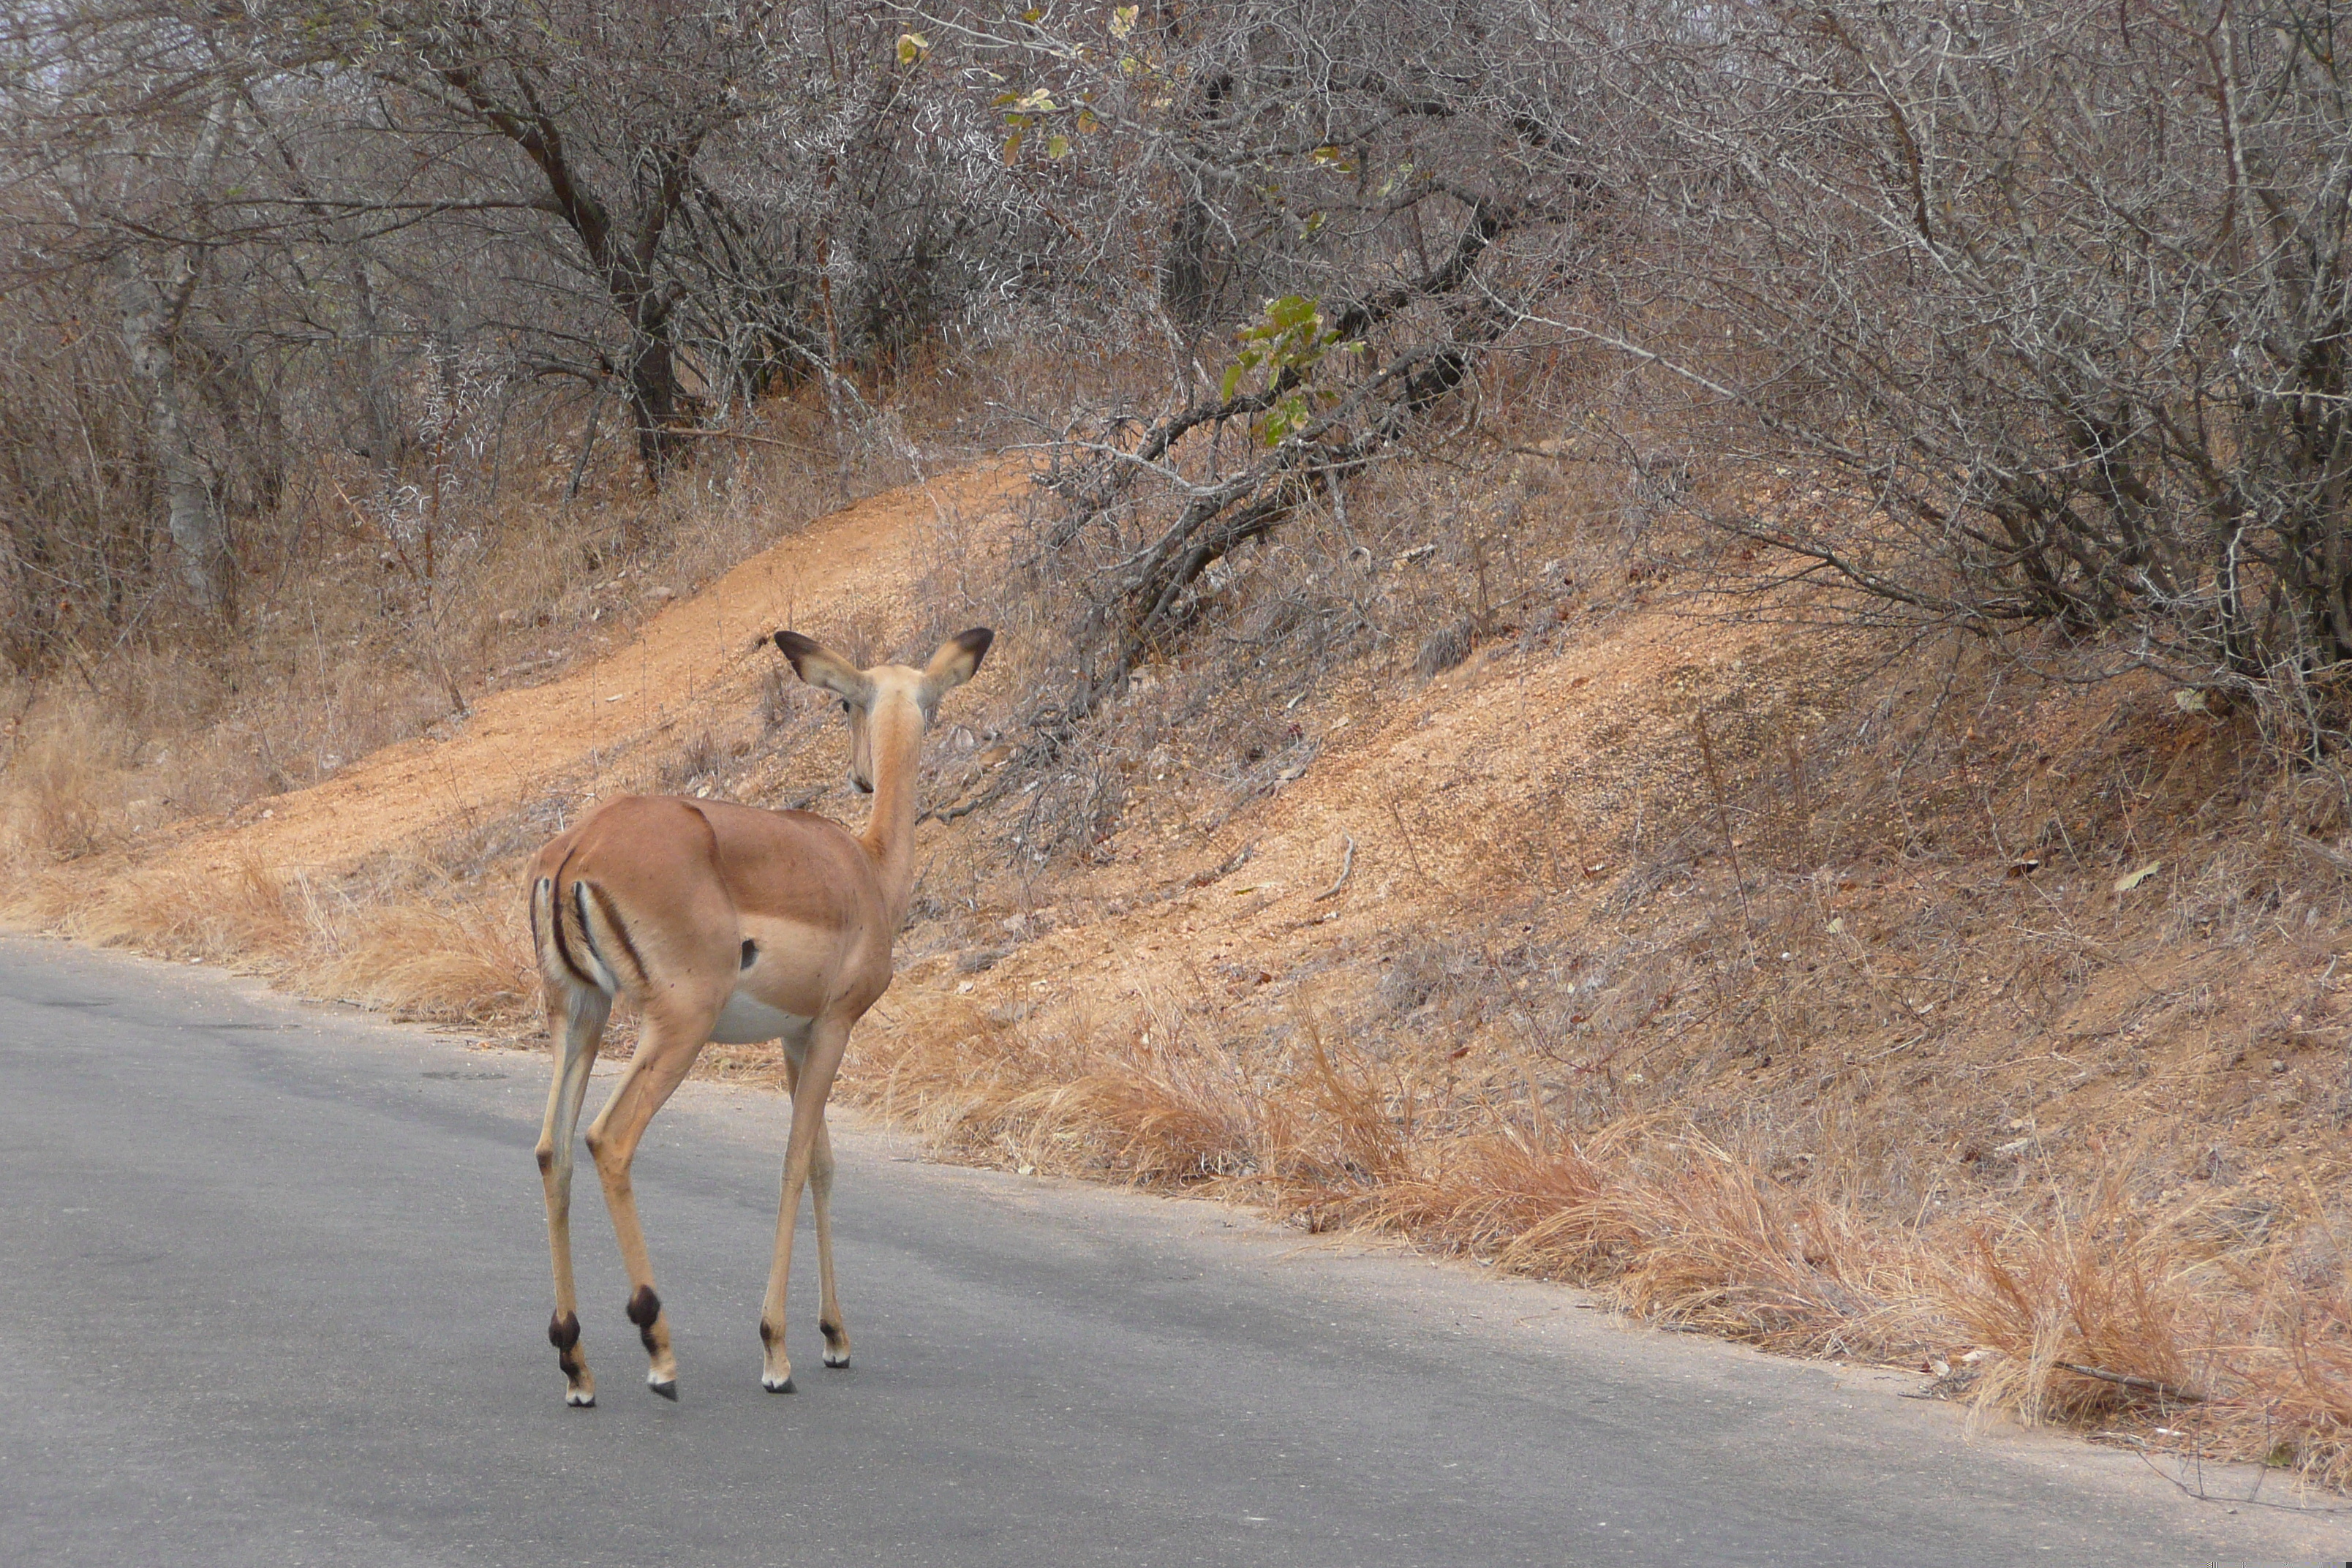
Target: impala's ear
<point x="825" y="670"/>
<point x="958" y="658"/>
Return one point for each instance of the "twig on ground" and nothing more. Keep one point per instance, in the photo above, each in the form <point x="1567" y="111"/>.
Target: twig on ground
<point x="2201" y="1495"/>
<point x="743" y="435"/>
<point x="1232" y="864"/>
<point x="2126" y="1380"/>
<point x="1723" y="816"/>
<point x="1346" y="865"/>
<point x="1406" y="834"/>
<point x="2319" y="851"/>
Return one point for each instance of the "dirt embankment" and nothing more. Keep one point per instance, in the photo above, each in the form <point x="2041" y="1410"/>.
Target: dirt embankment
<point x="697" y="664"/>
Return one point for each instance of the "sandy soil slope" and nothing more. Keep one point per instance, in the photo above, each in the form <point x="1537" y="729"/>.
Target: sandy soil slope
<point x="702" y="656"/>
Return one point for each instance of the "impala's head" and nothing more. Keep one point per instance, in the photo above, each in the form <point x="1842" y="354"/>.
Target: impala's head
<point x="889" y="695"/>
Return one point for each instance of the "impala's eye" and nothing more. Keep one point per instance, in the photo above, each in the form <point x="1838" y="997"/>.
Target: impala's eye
<point x="845" y="705"/>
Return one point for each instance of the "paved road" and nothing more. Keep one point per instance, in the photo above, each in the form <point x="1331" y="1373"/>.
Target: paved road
<point x="273" y="1290"/>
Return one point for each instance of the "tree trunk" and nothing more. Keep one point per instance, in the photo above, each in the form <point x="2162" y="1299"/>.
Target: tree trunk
<point x="653" y="383"/>
<point x="1185" y="286"/>
<point x="375" y="400"/>
<point x="149" y="317"/>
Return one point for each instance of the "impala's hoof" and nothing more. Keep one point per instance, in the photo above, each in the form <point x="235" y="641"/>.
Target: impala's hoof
<point x="836" y="1363"/>
<point x="666" y="1390"/>
<point x="772" y="1386"/>
<point x="580" y="1401"/>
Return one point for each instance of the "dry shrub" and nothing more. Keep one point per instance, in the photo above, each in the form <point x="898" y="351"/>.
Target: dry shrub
<point x="421" y="958"/>
<point x="2108" y="1288"/>
<point x="1156" y="1107"/>
<point x="2252" y="1339"/>
<point x="1504" y="1193"/>
<point x="237" y="912"/>
<point x="61" y="794"/>
<point x="1673" y="1228"/>
<point x="345" y="644"/>
<point x="1153" y="1113"/>
<point x="948" y="1080"/>
<point x="1727" y="1249"/>
<point x="2297" y="1405"/>
<point x="465" y="962"/>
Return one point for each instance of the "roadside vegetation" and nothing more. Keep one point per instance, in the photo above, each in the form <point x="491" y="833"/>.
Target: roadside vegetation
<point x="1705" y="661"/>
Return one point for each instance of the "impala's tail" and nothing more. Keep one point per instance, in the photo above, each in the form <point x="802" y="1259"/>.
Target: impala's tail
<point x="558" y="968"/>
<point x="579" y="938"/>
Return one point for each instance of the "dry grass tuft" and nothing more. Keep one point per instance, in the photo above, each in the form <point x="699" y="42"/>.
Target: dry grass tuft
<point x="2109" y="1289"/>
<point x="443" y="960"/>
<point x="236" y="912"/>
<point x="61" y="795"/>
<point x="1157" y="1111"/>
<point x="459" y="962"/>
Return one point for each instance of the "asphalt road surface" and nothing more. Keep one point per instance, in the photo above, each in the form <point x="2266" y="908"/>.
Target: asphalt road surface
<point x="273" y="1289"/>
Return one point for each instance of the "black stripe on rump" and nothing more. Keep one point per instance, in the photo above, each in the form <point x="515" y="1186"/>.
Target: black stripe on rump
<point x="555" y="918"/>
<point x="613" y="918"/>
<point x="587" y="932"/>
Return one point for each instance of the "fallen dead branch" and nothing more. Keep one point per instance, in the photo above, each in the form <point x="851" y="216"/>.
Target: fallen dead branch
<point x="1347" y="866"/>
<point x="2126" y="1380"/>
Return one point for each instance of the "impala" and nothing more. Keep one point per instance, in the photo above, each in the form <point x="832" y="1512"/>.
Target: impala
<point x="725" y="922"/>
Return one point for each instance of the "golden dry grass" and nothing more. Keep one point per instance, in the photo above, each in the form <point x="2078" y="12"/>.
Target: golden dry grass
<point x="457" y="960"/>
<point x="469" y="962"/>
<point x="2223" y="1347"/>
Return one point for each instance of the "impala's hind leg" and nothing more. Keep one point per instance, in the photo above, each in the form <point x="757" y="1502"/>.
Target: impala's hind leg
<point x="672" y="1038"/>
<point x="812" y="1082"/>
<point x="575" y="1023"/>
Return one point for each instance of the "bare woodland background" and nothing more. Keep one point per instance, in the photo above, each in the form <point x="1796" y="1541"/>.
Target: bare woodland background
<point x="357" y="354"/>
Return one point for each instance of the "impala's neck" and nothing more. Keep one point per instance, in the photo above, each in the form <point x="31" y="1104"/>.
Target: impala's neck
<point x="895" y="735"/>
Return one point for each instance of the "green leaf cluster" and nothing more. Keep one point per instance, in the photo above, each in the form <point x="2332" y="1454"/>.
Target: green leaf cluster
<point x="1028" y="111"/>
<point x="1285" y="343"/>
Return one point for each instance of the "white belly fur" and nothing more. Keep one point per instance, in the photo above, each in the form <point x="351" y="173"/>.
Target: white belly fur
<point x="746" y="1020"/>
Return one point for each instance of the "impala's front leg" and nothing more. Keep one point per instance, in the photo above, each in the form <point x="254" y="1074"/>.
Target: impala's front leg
<point x="666" y="1054"/>
<point x="828" y="1319"/>
<point x="812" y="1082"/>
<point x="576" y="1024"/>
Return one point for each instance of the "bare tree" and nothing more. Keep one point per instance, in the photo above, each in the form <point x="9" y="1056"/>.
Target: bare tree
<point x="133" y="165"/>
<point x="1391" y="187"/>
<point x="136" y="196"/>
<point x="2054" y="294"/>
<point x="689" y="206"/>
<point x="608" y="108"/>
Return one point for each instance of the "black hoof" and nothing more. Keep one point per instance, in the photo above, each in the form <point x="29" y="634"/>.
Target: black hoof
<point x="587" y="1403"/>
<point x="666" y="1390"/>
<point x="783" y="1387"/>
<point x="840" y="1365"/>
